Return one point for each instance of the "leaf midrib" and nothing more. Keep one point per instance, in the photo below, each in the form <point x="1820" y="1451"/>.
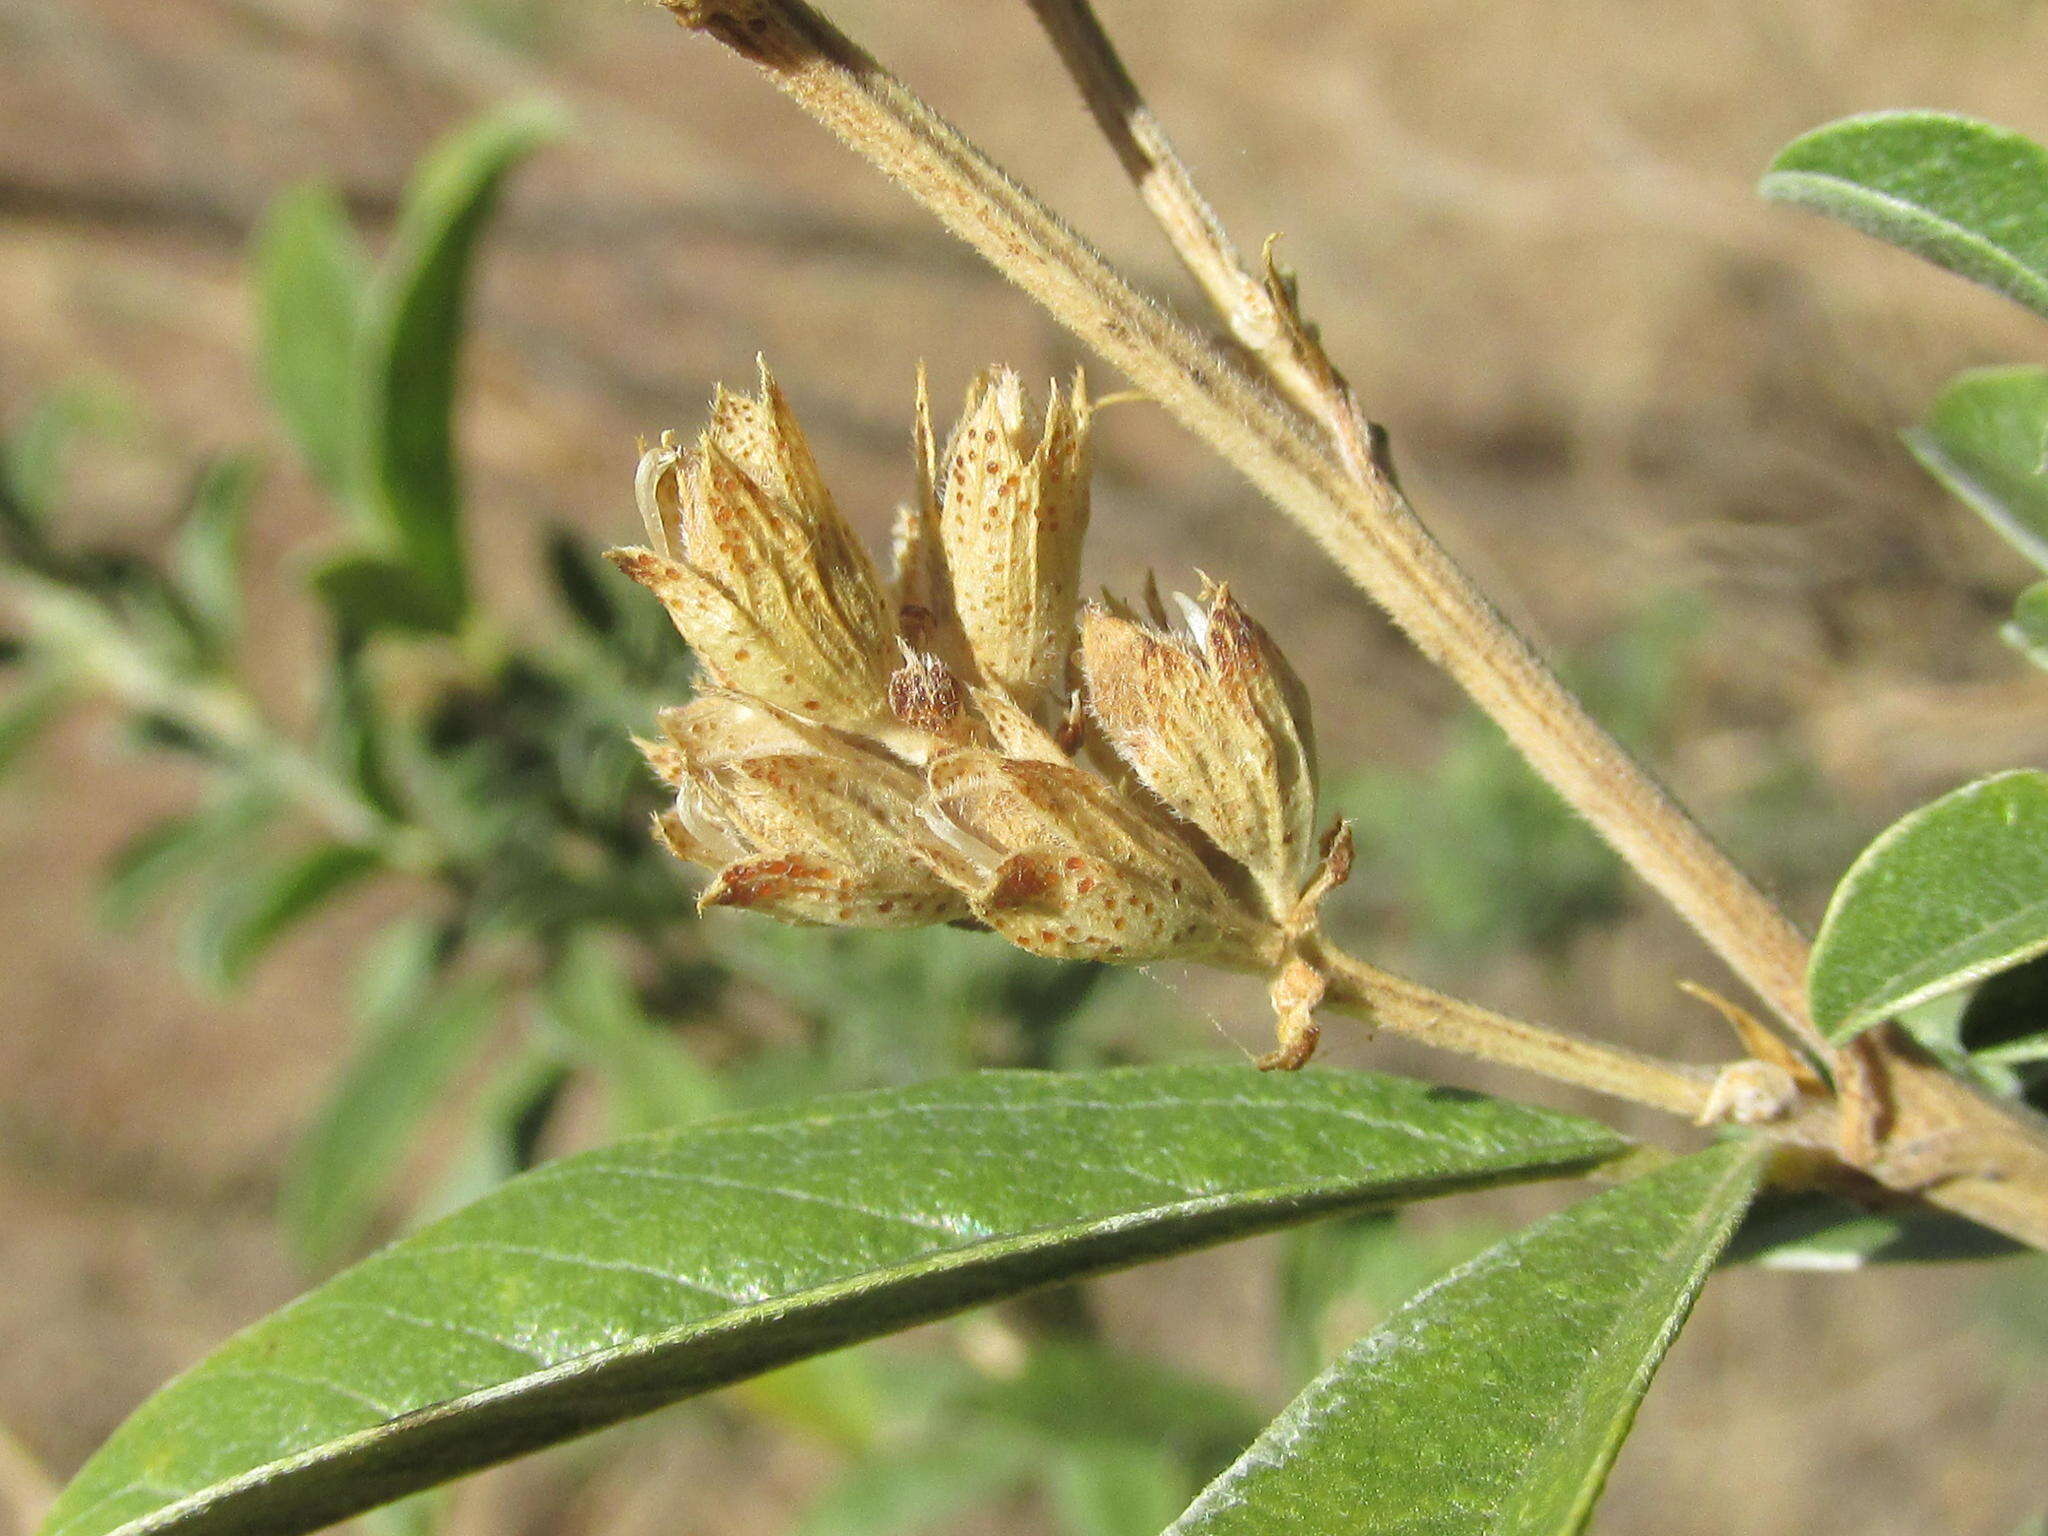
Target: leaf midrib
<point x="2022" y="275"/>
<point x="1903" y="988"/>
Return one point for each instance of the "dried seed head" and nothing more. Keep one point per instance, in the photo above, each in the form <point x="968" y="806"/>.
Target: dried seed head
<point x="1215" y="723"/>
<point x="991" y="549"/>
<point x="799" y="821"/>
<point x="1057" y="862"/>
<point x="757" y="567"/>
<point x="847" y="765"/>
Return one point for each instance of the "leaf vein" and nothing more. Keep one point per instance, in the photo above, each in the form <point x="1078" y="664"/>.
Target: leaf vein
<point x="580" y="1261"/>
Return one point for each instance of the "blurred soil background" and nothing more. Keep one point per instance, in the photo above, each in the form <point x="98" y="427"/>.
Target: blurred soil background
<point x="1614" y="380"/>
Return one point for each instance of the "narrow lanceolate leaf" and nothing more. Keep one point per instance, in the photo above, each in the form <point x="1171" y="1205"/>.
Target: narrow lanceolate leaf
<point x="26" y="713"/>
<point x="1948" y="895"/>
<point x="1494" y="1402"/>
<point x="1987" y="440"/>
<point x="411" y="343"/>
<point x="255" y="911"/>
<point x="144" y="869"/>
<point x="612" y="1283"/>
<point x="1965" y="195"/>
<point x="206" y="561"/>
<point x="359" y="1140"/>
<point x="310" y="277"/>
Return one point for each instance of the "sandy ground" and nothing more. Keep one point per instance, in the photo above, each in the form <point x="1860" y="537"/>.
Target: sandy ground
<point x="1528" y="230"/>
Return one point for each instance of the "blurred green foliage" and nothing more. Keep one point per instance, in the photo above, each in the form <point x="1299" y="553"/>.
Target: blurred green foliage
<point x="542" y="952"/>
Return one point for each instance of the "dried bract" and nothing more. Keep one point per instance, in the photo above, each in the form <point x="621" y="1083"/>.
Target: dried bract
<point x="1057" y="862"/>
<point x="991" y="550"/>
<point x="757" y="567"/>
<point x="1214" y="722"/>
<point x="796" y="820"/>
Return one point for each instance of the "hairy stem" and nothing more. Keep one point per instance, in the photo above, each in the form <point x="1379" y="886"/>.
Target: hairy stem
<point x="1259" y="311"/>
<point x="1408" y="1008"/>
<point x="1150" y="160"/>
<point x="96" y="645"/>
<point x="1358" y="514"/>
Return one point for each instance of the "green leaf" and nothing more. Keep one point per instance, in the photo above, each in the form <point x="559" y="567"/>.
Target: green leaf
<point x="311" y="277"/>
<point x="1985" y="439"/>
<point x="26" y="713"/>
<point x="609" y="1284"/>
<point x="369" y="594"/>
<point x="256" y="910"/>
<point x="206" y="560"/>
<point x="910" y="1492"/>
<point x="342" y="1167"/>
<point x="175" y="848"/>
<point x="412" y="337"/>
<point x="1495" y="1401"/>
<point x="1966" y="195"/>
<point x="655" y="1084"/>
<point x="2027" y="630"/>
<point x="1946" y="896"/>
<point x="1116" y="1489"/>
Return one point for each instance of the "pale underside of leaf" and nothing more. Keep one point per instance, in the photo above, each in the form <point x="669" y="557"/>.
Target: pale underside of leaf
<point x="1985" y="439"/>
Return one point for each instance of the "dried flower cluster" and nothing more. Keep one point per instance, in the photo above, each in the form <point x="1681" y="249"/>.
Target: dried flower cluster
<point x="974" y="746"/>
